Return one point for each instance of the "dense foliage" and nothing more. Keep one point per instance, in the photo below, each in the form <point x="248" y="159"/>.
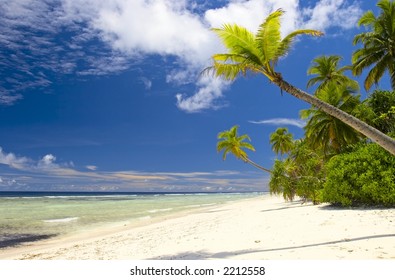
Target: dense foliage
<point x="301" y="174"/>
<point x="335" y="161"/>
<point x="365" y="176"/>
<point x="382" y="115"/>
<point x="336" y="164"/>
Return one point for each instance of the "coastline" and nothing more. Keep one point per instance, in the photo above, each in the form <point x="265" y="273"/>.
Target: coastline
<point x="265" y="227"/>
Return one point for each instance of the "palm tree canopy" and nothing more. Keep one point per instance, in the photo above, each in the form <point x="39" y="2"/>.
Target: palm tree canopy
<point x="231" y="142"/>
<point x="256" y="53"/>
<point x="326" y="70"/>
<point x="325" y="131"/>
<point x="378" y="51"/>
<point x="282" y="141"/>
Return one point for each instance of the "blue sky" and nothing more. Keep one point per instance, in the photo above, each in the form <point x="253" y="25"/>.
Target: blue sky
<point x="105" y="95"/>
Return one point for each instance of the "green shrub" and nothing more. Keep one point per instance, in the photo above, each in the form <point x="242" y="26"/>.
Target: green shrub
<point x="365" y="176"/>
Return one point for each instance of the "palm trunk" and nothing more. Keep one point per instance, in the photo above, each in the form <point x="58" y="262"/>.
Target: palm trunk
<point x="375" y="135"/>
<point x="256" y="165"/>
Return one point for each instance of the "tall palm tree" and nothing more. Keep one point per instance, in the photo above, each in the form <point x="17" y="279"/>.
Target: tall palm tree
<point x="281" y="140"/>
<point x="231" y="142"/>
<point x="326" y="70"/>
<point x="260" y="52"/>
<point x="325" y="131"/>
<point x="378" y="49"/>
<point x="335" y="88"/>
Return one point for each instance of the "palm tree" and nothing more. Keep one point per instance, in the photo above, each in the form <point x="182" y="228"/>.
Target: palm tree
<point x="260" y="53"/>
<point x="308" y="170"/>
<point x="326" y="70"/>
<point x="281" y="140"/>
<point x="378" y="45"/>
<point x="230" y="142"/>
<point x="281" y="179"/>
<point x="325" y="131"/>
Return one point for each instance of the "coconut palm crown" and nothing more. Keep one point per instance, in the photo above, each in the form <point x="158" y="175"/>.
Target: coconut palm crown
<point x="282" y="141"/>
<point x="378" y="51"/>
<point x="231" y="142"/>
<point x="257" y="53"/>
<point x="325" y="70"/>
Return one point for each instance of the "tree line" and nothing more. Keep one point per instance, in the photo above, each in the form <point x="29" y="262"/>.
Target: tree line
<point x="347" y="154"/>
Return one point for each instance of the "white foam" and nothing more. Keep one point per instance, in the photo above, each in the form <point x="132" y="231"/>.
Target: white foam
<point x="145" y="218"/>
<point x="159" y="210"/>
<point x="64" y="220"/>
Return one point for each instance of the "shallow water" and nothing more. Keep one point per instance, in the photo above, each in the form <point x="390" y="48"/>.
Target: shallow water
<point x="27" y="217"/>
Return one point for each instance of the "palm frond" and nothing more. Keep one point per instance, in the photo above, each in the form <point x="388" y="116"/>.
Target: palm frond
<point x="228" y="71"/>
<point x="367" y="19"/>
<point x="268" y="36"/>
<point x="364" y="58"/>
<point x="363" y="38"/>
<point x="248" y="146"/>
<point x="285" y="44"/>
<point x="376" y="72"/>
<point x="306" y="113"/>
<point x="387" y="6"/>
<point x="237" y="39"/>
<point x="314" y="81"/>
<point x="244" y="137"/>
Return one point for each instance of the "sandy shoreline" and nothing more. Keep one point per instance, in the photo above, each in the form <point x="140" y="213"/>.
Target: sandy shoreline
<point x="259" y="228"/>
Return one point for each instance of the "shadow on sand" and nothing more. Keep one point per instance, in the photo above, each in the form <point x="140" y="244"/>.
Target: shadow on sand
<point x="202" y="255"/>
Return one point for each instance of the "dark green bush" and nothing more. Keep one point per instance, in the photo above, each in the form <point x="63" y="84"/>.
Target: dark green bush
<point x="365" y="176"/>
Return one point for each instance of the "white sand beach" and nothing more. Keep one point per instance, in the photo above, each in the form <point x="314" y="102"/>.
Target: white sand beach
<point x="258" y="228"/>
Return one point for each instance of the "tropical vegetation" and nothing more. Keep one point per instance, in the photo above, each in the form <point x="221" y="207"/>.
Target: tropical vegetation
<point x="378" y="45"/>
<point x="282" y="141"/>
<point x="260" y="52"/>
<point x="340" y="159"/>
<point x="231" y="142"/>
<point x="364" y="176"/>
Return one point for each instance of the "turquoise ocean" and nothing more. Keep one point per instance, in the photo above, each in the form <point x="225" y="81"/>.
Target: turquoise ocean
<point x="33" y="216"/>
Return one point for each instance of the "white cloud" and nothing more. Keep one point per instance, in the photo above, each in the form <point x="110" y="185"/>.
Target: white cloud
<point x="45" y="174"/>
<point x="147" y="83"/>
<point x="332" y="13"/>
<point x="282" y="121"/>
<point x="47" y="162"/>
<point x="91" y="167"/>
<point x="210" y="90"/>
<point x="26" y="164"/>
<point x="250" y="14"/>
<point x="122" y="32"/>
<point x="12" y="160"/>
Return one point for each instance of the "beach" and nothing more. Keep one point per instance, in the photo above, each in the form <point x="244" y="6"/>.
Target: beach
<point x="264" y="227"/>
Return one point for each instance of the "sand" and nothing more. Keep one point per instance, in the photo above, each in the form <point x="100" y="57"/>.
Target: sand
<point x="259" y="228"/>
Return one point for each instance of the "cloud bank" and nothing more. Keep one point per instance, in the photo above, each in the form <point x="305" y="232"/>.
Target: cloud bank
<point x="43" y="41"/>
<point x="22" y="173"/>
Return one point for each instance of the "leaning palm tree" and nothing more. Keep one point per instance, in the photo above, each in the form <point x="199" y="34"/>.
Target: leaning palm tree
<point x="231" y="142"/>
<point x="326" y="70"/>
<point x="260" y="52"/>
<point x="378" y="49"/>
<point x="282" y="141"/>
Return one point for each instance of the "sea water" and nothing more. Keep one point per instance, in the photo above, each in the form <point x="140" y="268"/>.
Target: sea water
<point x="32" y="216"/>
